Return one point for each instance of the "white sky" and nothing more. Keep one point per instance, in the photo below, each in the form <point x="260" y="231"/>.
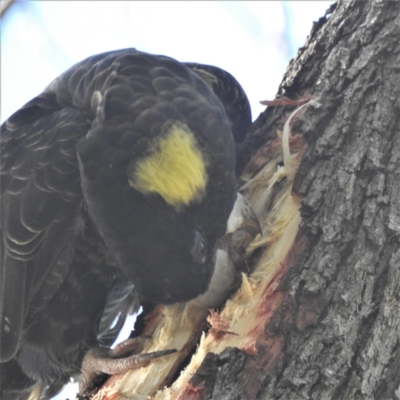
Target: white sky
<point x="253" y="40"/>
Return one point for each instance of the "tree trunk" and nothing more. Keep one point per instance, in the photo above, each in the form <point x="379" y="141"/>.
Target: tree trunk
<point x="338" y="322"/>
<point x="319" y="318"/>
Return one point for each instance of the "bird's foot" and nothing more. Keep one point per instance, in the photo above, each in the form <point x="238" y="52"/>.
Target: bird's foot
<point x="100" y="360"/>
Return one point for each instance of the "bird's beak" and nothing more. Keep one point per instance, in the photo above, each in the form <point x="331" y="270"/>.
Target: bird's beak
<point x="230" y="256"/>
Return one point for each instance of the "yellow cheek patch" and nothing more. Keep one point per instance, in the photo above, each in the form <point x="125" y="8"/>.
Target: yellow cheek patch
<point x="175" y="170"/>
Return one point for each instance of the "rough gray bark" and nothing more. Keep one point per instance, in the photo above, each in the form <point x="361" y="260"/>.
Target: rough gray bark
<point x="340" y="320"/>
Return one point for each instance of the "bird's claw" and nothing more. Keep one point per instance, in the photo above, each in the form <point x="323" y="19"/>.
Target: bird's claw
<point x="100" y="360"/>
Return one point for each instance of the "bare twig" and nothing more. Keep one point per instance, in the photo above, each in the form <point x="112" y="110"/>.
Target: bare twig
<point x="5" y="5"/>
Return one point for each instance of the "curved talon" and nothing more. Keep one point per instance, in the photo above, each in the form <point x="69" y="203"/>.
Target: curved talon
<point x="100" y="361"/>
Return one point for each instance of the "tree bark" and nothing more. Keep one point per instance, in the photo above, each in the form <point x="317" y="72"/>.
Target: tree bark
<point x="320" y="316"/>
<point x="338" y="321"/>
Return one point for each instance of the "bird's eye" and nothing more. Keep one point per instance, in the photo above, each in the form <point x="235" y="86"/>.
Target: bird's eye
<point x="199" y="249"/>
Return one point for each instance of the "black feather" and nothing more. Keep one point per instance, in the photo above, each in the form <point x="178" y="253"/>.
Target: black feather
<point x="80" y="247"/>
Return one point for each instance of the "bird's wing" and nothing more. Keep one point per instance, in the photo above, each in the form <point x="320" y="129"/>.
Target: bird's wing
<point x="230" y="93"/>
<point x="41" y="196"/>
<point x="40" y="202"/>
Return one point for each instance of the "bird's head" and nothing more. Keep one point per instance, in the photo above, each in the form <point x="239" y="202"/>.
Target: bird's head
<point x="157" y="172"/>
<point x="161" y="212"/>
